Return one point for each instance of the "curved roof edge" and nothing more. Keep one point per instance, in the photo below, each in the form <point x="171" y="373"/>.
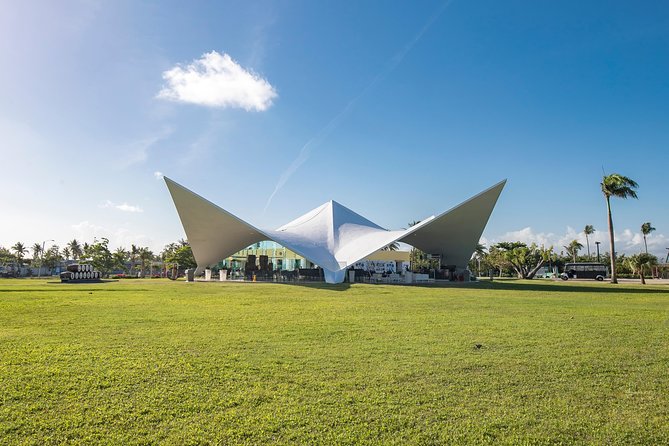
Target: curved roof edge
<point x="215" y="233"/>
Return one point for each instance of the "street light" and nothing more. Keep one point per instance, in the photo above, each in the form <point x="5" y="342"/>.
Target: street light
<point x="41" y="260"/>
<point x="597" y="243"/>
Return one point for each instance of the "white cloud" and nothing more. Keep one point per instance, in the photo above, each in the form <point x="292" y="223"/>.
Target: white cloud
<point x="627" y="241"/>
<point x="216" y="80"/>
<point x="633" y="242"/>
<point x="527" y="235"/>
<point x="558" y="241"/>
<point x="118" y="236"/>
<point x="125" y="207"/>
<point x="158" y="175"/>
<point x="629" y="238"/>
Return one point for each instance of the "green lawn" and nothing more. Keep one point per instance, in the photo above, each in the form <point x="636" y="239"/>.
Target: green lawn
<point x="142" y="362"/>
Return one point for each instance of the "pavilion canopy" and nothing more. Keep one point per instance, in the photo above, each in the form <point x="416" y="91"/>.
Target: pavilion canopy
<point x="331" y="235"/>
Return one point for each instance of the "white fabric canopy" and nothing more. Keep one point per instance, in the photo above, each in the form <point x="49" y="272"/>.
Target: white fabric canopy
<point x="332" y="236"/>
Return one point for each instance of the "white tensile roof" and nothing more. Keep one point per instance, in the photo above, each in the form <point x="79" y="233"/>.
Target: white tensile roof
<point x="331" y="235"/>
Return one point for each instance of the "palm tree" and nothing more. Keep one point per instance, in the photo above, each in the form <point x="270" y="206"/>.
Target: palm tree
<point x="572" y="248"/>
<point x="74" y="248"/>
<point x="134" y="252"/>
<point x="145" y="255"/>
<point x="67" y="253"/>
<point x="616" y="185"/>
<point x="480" y="250"/>
<point x="415" y="253"/>
<point x="120" y="257"/>
<point x="479" y="253"/>
<point x="588" y="230"/>
<point x="19" y="249"/>
<point x="646" y="229"/>
<point x="639" y="262"/>
<point x="37" y="250"/>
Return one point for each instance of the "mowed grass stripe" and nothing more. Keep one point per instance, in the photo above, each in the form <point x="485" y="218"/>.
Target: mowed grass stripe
<point x="141" y="362"/>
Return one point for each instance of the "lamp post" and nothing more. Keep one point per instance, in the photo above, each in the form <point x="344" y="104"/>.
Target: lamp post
<point x="597" y="243"/>
<point x="41" y="259"/>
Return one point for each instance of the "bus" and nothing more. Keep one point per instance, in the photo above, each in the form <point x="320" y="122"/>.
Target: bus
<point x="585" y="270"/>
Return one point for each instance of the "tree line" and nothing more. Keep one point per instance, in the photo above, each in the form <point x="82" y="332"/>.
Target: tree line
<point x="525" y="261"/>
<point x="135" y="261"/>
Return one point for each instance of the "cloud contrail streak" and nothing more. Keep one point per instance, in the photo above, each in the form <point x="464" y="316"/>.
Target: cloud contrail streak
<point x="322" y="135"/>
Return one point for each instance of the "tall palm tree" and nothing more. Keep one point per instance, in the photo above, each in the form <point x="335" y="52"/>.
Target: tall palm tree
<point x="145" y="255"/>
<point x="75" y="249"/>
<point x="120" y="257"/>
<point x="134" y="253"/>
<point x="38" y="257"/>
<point x="37" y="250"/>
<point x="415" y="253"/>
<point x="616" y="185"/>
<point x="479" y="253"/>
<point x="67" y="253"/>
<point x="588" y="230"/>
<point x="20" y="250"/>
<point x="480" y="250"/>
<point x="646" y="229"/>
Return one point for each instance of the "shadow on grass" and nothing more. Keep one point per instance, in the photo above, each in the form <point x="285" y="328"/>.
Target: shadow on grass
<point x="506" y="284"/>
<point x="566" y="287"/>
<point x="305" y="284"/>
<point x="318" y="285"/>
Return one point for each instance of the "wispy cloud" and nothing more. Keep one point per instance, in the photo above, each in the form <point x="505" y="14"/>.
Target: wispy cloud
<point x="211" y="139"/>
<point x="124" y="207"/>
<point x="216" y="80"/>
<point x="305" y="151"/>
<point x="137" y="151"/>
<point x="322" y="135"/>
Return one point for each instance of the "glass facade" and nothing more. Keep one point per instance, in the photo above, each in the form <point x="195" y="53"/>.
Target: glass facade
<point x="278" y="257"/>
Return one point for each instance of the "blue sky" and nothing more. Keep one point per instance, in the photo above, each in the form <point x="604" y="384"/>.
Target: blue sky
<point x="398" y="110"/>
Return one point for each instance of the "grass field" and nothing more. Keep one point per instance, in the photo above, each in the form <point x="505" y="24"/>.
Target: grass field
<point x="142" y="362"/>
